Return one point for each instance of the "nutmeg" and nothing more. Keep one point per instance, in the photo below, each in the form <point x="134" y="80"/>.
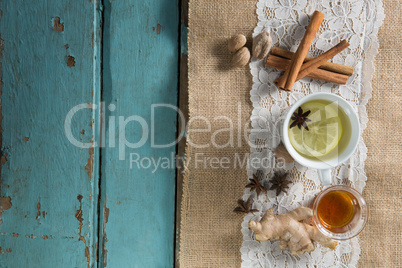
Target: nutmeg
<point x="241" y="57"/>
<point x="262" y="44"/>
<point x="236" y="42"/>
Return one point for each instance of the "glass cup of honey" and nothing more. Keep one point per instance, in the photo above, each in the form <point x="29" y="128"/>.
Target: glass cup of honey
<point x="340" y="212"/>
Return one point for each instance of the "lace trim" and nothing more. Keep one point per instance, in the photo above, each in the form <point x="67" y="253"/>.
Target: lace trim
<point x="356" y="21"/>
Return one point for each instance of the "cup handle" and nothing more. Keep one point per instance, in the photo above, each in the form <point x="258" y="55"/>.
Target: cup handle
<point x="325" y="176"/>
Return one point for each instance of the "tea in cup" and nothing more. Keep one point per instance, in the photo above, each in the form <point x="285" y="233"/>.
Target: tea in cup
<point x="321" y="131"/>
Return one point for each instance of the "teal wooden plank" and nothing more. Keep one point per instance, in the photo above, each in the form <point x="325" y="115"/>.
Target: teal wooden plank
<point x="48" y="67"/>
<point x="140" y="68"/>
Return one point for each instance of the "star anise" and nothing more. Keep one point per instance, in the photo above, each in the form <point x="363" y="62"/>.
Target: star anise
<point x="300" y="119"/>
<point x="279" y="183"/>
<point x="255" y="184"/>
<point x="244" y="207"/>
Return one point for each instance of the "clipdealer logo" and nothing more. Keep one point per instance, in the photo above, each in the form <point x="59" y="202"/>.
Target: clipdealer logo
<point x="222" y="132"/>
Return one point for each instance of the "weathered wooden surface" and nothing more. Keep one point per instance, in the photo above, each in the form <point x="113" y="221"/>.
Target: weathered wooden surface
<point x="55" y="195"/>
<point x="48" y="66"/>
<point x="140" y="68"/>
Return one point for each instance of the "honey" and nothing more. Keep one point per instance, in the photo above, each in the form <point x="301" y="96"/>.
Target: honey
<point x="336" y="210"/>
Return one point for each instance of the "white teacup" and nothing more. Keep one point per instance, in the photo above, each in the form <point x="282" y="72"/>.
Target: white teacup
<point x="324" y="166"/>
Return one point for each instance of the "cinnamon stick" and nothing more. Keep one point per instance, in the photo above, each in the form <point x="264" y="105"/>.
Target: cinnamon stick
<point x="319" y="74"/>
<point x="316" y="62"/>
<point x="287" y="80"/>
<point x="329" y="66"/>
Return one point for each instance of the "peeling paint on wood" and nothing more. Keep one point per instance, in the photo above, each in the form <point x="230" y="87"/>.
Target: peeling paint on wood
<point x="32" y="236"/>
<point x="106" y="216"/>
<point x="104" y="235"/>
<point x="5" y="204"/>
<point x="39" y="90"/>
<point x="93" y="39"/>
<point x="57" y="26"/>
<point x="7" y="250"/>
<point x="38" y="210"/>
<point x="90" y="161"/>
<point x="70" y="61"/>
<point x="78" y="216"/>
<point x="91" y="124"/>
<point x="158" y="29"/>
<point x="26" y="139"/>
<point x="3" y="158"/>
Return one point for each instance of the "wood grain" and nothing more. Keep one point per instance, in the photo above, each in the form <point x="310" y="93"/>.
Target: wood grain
<point x="51" y="183"/>
<point x="140" y="68"/>
<point x="54" y="195"/>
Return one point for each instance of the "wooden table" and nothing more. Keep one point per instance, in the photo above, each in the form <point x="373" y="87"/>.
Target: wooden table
<point x="82" y="84"/>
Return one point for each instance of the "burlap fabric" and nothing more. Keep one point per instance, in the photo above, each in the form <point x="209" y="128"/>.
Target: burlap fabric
<point x="381" y="239"/>
<point x="210" y="233"/>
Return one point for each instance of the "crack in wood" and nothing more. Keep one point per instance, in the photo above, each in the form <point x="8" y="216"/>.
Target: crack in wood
<point x="104" y="236"/>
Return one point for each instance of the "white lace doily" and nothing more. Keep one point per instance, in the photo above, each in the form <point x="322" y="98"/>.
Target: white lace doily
<point x="357" y="21"/>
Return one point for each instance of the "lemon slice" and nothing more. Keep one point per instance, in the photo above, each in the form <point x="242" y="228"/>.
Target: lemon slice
<point x="325" y="130"/>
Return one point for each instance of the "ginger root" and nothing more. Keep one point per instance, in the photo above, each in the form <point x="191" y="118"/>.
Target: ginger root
<point x="290" y="231"/>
